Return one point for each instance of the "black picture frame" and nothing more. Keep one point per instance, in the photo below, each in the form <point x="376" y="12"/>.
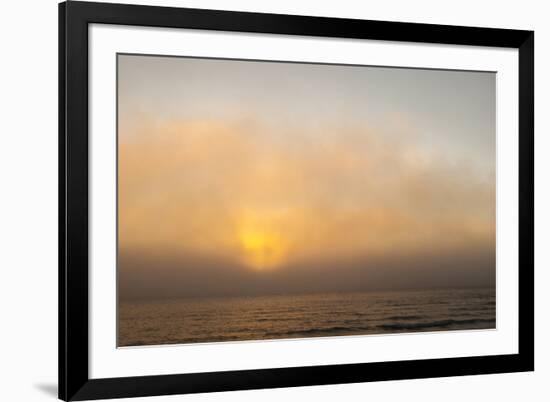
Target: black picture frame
<point x="74" y="381"/>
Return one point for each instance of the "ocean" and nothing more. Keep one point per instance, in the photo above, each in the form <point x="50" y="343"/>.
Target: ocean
<point x="200" y="320"/>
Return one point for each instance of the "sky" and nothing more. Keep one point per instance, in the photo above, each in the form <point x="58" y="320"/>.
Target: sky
<point x="247" y="178"/>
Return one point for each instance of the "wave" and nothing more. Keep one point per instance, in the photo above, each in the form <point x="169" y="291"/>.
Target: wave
<point x="319" y="331"/>
<point x="405" y="317"/>
<point x="474" y="308"/>
<point x="434" y="324"/>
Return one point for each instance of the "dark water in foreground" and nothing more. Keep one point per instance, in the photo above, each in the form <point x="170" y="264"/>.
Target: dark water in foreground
<point x="303" y="316"/>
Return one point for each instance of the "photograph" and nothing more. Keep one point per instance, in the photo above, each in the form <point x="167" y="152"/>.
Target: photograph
<point x="262" y="200"/>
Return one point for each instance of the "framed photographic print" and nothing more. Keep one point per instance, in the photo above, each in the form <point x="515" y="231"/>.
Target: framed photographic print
<point x="257" y="200"/>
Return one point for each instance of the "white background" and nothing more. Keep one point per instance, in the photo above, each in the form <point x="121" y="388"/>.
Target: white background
<point x="108" y="361"/>
<point x="28" y="210"/>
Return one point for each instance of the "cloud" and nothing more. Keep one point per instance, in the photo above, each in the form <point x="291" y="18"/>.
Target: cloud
<point x="233" y="197"/>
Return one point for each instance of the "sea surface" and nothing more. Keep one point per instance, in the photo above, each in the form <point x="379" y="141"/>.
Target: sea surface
<point x="188" y="320"/>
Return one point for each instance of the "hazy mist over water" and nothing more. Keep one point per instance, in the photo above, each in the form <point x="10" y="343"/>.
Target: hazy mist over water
<point x="270" y="200"/>
<point x="199" y="320"/>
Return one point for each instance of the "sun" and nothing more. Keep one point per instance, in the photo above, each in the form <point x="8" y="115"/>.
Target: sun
<point x="262" y="249"/>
